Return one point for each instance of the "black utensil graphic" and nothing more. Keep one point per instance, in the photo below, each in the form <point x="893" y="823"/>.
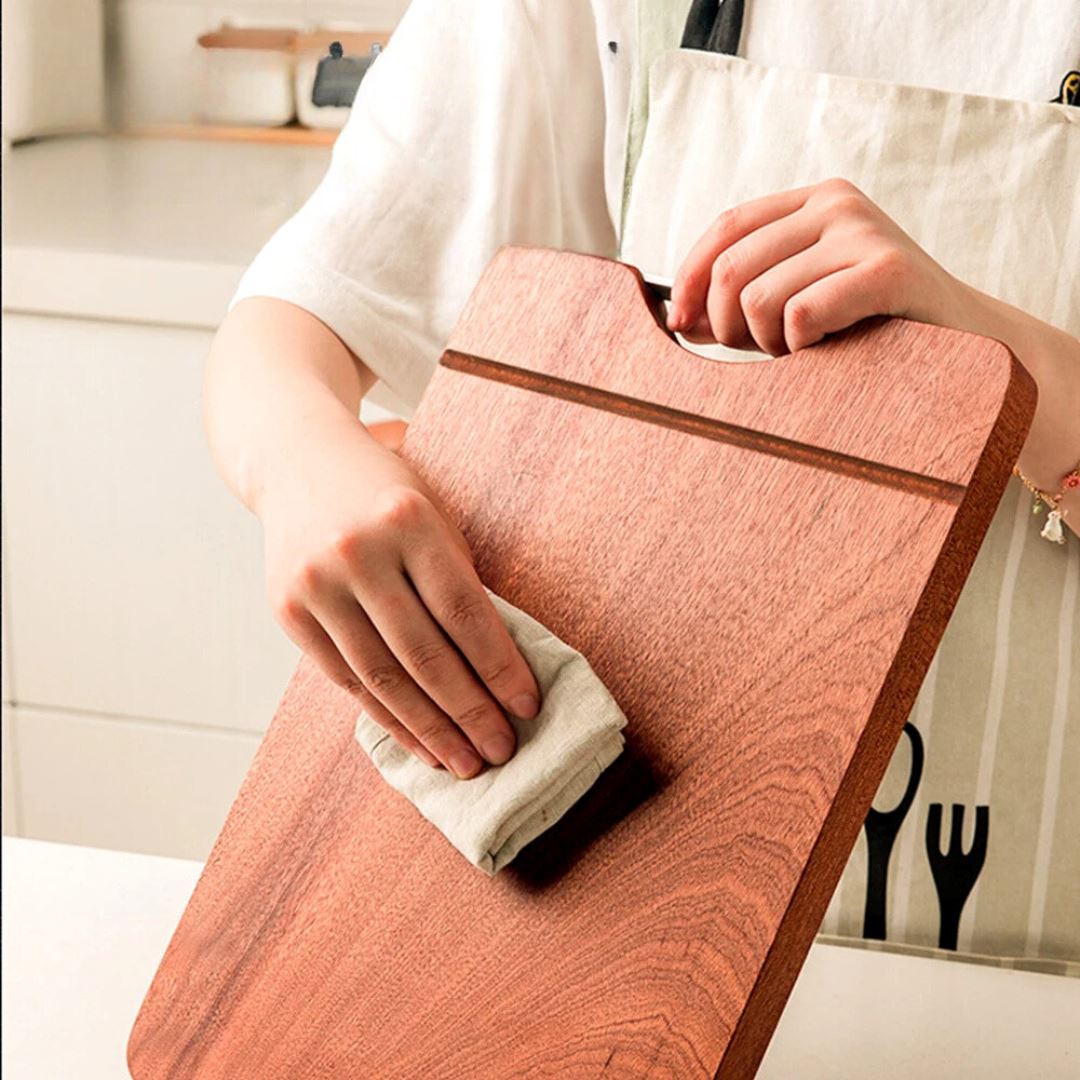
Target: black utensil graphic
<point x="882" y="827"/>
<point x="955" y="871"/>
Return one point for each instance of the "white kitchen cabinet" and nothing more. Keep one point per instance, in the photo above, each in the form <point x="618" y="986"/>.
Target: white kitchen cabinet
<point x="141" y="658"/>
<point x="136" y="578"/>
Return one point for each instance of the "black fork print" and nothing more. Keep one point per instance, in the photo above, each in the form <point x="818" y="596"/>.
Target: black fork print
<point x="955" y="871"/>
<point x="882" y="828"/>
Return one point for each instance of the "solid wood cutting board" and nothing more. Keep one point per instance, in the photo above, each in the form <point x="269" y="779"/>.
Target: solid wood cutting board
<point x="757" y="559"/>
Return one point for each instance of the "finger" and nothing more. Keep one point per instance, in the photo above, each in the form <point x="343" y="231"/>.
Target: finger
<point x="416" y="639"/>
<point x="831" y="303"/>
<point x="455" y="596"/>
<point x="736" y="267"/>
<point x="387" y="720"/>
<point x="763" y="300"/>
<point x="304" y="629"/>
<point x="381" y="673"/>
<point x="691" y="283"/>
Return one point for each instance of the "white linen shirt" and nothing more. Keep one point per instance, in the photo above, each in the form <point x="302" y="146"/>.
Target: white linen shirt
<point x="505" y="122"/>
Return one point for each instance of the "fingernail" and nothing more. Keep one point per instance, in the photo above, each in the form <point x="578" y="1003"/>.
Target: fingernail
<point x="465" y="763"/>
<point x="675" y="318"/>
<point x="525" y="706"/>
<point x="498" y="749"/>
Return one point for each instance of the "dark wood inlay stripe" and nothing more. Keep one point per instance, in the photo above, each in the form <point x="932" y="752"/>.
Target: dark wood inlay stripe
<point x="707" y="427"/>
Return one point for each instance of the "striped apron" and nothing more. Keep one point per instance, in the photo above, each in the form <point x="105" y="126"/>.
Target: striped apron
<point x="988" y="187"/>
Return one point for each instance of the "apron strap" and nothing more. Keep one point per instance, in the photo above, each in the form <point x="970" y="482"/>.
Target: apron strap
<point x="714" y="26"/>
<point x="660" y="24"/>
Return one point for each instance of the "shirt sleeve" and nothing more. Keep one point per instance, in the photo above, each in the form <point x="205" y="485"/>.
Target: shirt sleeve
<point x="478" y="125"/>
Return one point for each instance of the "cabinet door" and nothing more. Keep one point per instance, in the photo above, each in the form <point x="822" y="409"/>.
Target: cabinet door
<point x="136" y="579"/>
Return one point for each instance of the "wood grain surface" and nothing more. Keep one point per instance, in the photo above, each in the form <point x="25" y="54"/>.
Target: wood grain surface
<point x="757" y="559"/>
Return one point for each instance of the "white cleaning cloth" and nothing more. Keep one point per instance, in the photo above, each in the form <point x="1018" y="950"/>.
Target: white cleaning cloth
<point x="560" y="753"/>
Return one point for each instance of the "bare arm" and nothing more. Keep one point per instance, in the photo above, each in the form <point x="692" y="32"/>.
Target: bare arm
<point x="1052" y="358"/>
<point x="274" y="369"/>
<point x="365" y="571"/>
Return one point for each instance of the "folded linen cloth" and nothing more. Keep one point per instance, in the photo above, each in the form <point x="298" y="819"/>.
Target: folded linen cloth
<point x="560" y="753"/>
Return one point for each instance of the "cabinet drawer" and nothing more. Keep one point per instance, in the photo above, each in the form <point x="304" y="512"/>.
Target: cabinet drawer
<point x="136" y="785"/>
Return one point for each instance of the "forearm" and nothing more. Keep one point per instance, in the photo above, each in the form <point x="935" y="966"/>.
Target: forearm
<point x="274" y="377"/>
<point x="1052" y="357"/>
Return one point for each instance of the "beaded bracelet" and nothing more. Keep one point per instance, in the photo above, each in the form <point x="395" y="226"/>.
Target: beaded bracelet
<point x="1052" y="530"/>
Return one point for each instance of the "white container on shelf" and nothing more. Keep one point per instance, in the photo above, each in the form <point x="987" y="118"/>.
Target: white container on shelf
<point x="248" y="77"/>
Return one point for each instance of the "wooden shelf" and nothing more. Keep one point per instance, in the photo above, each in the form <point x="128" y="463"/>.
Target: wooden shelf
<point x="294" y="134"/>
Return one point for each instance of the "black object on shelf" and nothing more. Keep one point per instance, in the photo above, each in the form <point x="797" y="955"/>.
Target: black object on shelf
<point x="338" y="76"/>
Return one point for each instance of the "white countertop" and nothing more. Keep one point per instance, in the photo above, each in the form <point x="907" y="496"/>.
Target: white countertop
<point x="148" y="230"/>
<point x="84" y="930"/>
<point x="144" y="229"/>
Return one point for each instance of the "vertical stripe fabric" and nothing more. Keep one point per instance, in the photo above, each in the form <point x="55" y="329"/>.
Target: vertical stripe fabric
<point x="988" y="187"/>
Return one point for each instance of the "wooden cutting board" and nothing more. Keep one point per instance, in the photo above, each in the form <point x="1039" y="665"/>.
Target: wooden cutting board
<point x="757" y="559"/>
